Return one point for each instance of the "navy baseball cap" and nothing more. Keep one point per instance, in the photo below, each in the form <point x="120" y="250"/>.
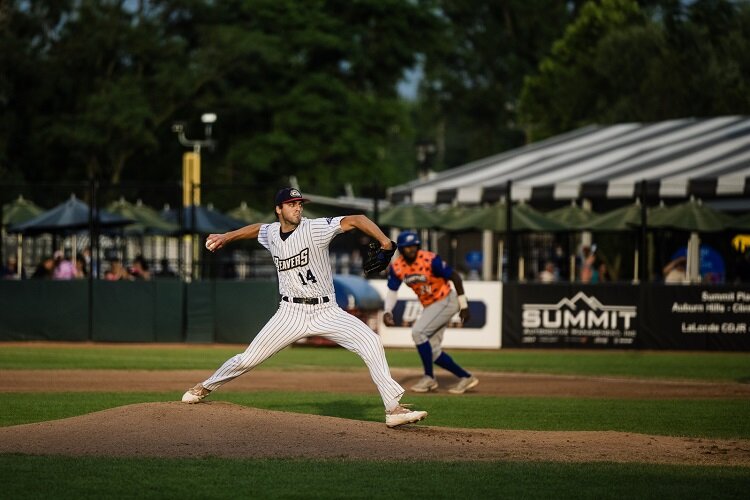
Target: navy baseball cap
<point x="285" y="195"/>
<point x="407" y="239"/>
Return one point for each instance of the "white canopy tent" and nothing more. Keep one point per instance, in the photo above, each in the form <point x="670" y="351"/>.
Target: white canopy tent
<point x="701" y="157"/>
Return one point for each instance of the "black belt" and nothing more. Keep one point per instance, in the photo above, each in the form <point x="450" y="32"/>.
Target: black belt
<point x="306" y="300"/>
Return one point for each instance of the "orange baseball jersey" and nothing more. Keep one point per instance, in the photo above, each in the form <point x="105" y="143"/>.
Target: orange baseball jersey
<point x="428" y="276"/>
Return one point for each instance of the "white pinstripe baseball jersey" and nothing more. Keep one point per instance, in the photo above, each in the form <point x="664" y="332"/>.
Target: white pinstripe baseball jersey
<point x="302" y="260"/>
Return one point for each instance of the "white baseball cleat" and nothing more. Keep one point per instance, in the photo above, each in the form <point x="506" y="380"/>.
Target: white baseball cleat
<point x="195" y="395"/>
<point x="464" y="385"/>
<point x="401" y="415"/>
<point x="425" y="384"/>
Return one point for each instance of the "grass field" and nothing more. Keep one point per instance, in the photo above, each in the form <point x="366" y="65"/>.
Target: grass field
<point x="715" y="366"/>
<point x="97" y="478"/>
<point x="62" y="477"/>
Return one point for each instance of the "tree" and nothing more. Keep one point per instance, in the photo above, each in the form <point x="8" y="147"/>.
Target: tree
<point x="567" y="87"/>
<point x="473" y="76"/>
<point x="303" y="88"/>
<point x="618" y="63"/>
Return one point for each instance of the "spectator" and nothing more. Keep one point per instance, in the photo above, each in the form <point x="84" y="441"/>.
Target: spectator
<point x="674" y="272"/>
<point x="45" y="269"/>
<point x="10" y="270"/>
<point x="139" y="269"/>
<point x="165" y="271"/>
<point x="601" y="272"/>
<point x="117" y="271"/>
<point x="548" y="274"/>
<point x="588" y="258"/>
<point x="81" y="267"/>
<point x="64" y="269"/>
<point x="90" y="263"/>
<point x="562" y="264"/>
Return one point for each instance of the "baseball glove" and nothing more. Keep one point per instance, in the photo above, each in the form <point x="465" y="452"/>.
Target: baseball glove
<point x="377" y="259"/>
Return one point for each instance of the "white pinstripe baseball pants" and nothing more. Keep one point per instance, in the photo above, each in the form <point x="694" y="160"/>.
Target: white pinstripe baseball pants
<point x="295" y="321"/>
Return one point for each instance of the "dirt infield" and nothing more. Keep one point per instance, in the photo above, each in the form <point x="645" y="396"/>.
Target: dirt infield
<point x="218" y="429"/>
<point x="173" y="429"/>
<point x="492" y="384"/>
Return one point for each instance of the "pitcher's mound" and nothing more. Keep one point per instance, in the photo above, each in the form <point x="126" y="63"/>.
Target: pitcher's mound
<point x="222" y="429"/>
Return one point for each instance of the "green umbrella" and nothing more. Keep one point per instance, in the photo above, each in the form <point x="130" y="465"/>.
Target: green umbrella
<point x="621" y="219"/>
<point x="147" y="220"/>
<point x="493" y="218"/>
<point x="409" y="217"/>
<point x="251" y="215"/>
<point x="453" y="213"/>
<point x="19" y="210"/>
<point x="691" y="216"/>
<point x="571" y="216"/>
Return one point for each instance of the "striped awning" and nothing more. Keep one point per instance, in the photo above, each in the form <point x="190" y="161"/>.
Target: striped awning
<point x="706" y="158"/>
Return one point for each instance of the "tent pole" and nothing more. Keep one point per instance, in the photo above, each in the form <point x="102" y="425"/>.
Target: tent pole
<point x="94" y="243"/>
<point x="500" y="251"/>
<point x="509" y="231"/>
<point x="643" y="241"/>
<point x="486" y="255"/>
<point x="19" y="255"/>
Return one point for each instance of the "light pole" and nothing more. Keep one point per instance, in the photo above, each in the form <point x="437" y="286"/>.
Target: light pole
<point x="191" y="174"/>
<point x="425" y="150"/>
<point x="191" y="162"/>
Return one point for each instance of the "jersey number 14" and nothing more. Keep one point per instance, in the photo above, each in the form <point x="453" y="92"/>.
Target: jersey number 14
<point x="310" y="277"/>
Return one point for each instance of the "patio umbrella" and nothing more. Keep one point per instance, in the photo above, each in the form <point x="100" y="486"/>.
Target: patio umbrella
<point x="409" y="217"/>
<point x="493" y="218"/>
<point x="19" y="210"/>
<point x="571" y="216"/>
<point x="70" y="216"/>
<point x="695" y="217"/>
<point x="16" y="212"/>
<point x="453" y="212"/>
<point x="625" y="218"/>
<point x="147" y="220"/>
<point x="691" y="216"/>
<point x="204" y="220"/>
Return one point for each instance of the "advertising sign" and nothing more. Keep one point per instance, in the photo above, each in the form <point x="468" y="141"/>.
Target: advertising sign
<point x="697" y="317"/>
<point x="548" y="315"/>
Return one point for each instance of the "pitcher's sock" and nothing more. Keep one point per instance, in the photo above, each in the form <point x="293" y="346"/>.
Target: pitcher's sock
<point x="445" y="361"/>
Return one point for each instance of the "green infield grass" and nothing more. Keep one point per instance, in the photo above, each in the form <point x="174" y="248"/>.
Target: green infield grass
<point x="33" y="477"/>
<point x="694" y="418"/>
<point x="714" y="366"/>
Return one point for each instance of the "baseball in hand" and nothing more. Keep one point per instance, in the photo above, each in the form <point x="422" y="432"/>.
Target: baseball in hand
<point x="210" y="244"/>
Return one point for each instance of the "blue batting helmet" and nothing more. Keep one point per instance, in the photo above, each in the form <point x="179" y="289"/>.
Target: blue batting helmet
<point x="407" y="239"/>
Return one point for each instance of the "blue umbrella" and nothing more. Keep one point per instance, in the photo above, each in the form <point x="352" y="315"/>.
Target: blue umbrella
<point x="70" y="216"/>
<point x="206" y="219"/>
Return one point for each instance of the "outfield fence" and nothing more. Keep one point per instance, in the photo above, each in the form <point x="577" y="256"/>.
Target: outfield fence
<point x="518" y="315"/>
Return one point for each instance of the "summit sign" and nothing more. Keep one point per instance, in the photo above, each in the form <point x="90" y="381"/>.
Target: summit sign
<point x="579" y="318"/>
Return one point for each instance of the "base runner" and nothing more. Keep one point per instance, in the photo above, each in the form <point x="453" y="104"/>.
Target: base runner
<point x="427" y="274"/>
<point x="299" y="247"/>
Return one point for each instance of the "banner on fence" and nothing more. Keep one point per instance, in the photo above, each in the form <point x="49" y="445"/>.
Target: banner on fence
<point x="697" y="317"/>
<point x="483" y="331"/>
<point x="551" y="315"/>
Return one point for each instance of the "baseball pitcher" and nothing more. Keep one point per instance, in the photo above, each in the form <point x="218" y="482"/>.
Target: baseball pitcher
<point x="307" y="305"/>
